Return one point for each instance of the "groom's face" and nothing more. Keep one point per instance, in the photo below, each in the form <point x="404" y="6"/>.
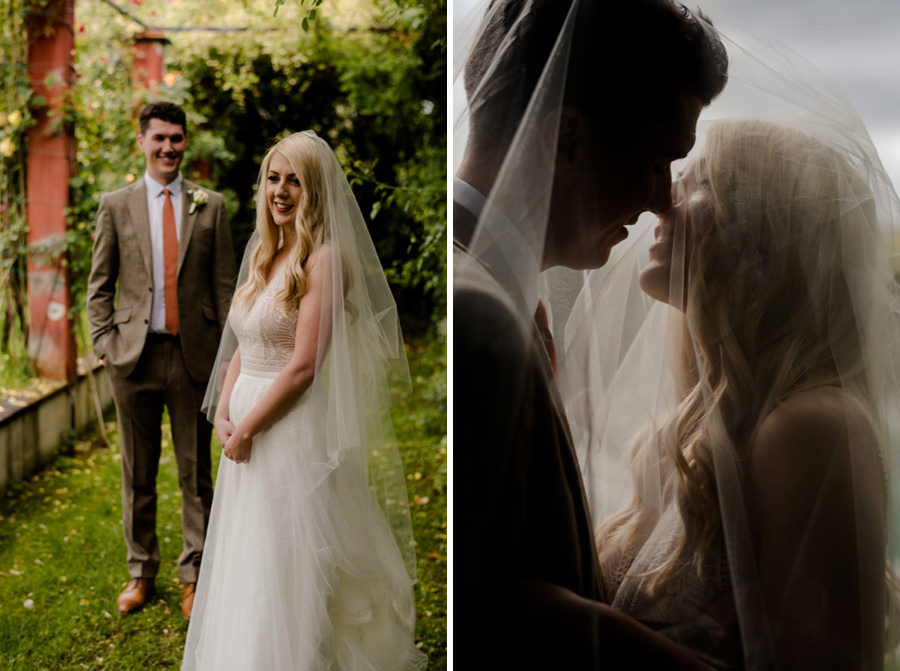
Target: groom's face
<point x="163" y="144"/>
<point x="607" y="177"/>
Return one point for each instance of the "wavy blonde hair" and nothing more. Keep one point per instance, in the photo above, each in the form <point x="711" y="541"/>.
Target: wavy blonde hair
<point x="302" y="152"/>
<point x="768" y="314"/>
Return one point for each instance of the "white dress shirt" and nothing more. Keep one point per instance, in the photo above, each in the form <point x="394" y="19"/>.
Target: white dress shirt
<point x="155" y="200"/>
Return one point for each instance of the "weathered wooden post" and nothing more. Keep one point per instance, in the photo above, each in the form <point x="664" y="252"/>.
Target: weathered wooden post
<point x="51" y="163"/>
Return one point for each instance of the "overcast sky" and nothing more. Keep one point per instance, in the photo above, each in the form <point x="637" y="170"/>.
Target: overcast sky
<point x="856" y="44"/>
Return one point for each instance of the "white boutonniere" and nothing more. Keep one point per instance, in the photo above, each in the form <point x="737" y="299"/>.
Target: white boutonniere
<point x="198" y="199"/>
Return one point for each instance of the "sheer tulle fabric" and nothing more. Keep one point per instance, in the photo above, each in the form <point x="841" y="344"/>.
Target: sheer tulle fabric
<point x="309" y="562"/>
<point x="664" y="398"/>
<point x="783" y="290"/>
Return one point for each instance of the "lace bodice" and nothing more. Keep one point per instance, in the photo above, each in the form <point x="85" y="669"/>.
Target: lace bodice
<point x="695" y="607"/>
<point x="265" y="330"/>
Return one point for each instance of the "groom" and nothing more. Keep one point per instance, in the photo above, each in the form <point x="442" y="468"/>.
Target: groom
<point x="158" y="295"/>
<point x="527" y="588"/>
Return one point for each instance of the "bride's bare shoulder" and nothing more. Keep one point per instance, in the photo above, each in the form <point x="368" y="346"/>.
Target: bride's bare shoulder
<point x="807" y="436"/>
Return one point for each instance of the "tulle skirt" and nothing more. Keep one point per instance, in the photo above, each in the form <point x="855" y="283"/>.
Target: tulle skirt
<point x="298" y="573"/>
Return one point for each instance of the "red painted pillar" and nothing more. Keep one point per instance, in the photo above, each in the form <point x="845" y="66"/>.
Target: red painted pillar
<point x="148" y="62"/>
<point x="51" y="162"/>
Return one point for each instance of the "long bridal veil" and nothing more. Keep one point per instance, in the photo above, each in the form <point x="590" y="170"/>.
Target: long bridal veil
<point x="768" y="295"/>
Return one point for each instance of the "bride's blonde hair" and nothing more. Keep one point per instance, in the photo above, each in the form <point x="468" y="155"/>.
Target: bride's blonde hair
<point x="768" y="314"/>
<point x="300" y="149"/>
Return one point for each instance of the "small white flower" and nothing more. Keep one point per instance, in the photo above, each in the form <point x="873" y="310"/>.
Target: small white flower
<point x="198" y="199"/>
<point x="29" y="604"/>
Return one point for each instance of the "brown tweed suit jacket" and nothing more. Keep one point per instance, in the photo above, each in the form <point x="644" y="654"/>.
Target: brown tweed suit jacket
<point x="120" y="288"/>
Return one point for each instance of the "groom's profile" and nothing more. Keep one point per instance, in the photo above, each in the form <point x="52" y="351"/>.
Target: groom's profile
<point x="527" y="590"/>
<point x="160" y="286"/>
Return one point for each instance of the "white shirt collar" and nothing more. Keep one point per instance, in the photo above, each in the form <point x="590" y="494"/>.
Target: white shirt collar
<point x="154" y="188"/>
<point x="469" y="197"/>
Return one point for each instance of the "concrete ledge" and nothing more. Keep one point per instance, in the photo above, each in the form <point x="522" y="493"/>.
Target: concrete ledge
<point x="31" y="435"/>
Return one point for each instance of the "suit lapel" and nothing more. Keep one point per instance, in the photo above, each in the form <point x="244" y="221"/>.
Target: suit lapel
<point x="140" y="221"/>
<point x="187" y="220"/>
<point x="595" y="589"/>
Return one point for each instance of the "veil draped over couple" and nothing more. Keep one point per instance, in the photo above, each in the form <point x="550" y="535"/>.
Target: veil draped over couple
<point x="676" y="349"/>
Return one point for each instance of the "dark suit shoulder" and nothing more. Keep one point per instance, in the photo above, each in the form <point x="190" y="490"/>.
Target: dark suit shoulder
<point x="498" y="380"/>
<point x="486" y="322"/>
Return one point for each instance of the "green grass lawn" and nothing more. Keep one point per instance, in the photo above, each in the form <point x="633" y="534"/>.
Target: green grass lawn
<point x="62" y="556"/>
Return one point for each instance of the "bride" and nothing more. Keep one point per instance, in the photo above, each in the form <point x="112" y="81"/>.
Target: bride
<point x="756" y="530"/>
<point x="302" y="570"/>
<point x="731" y="379"/>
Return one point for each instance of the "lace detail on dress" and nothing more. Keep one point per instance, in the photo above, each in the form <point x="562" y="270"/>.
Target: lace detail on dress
<point x="265" y="331"/>
<point x="613" y="570"/>
<point x="694" y="607"/>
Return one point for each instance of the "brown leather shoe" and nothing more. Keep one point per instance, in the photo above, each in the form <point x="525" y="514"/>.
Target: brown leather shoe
<point x="187" y="599"/>
<point x="136" y="593"/>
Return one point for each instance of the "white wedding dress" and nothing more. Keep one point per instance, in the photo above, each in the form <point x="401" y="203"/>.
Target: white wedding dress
<point x="298" y="573"/>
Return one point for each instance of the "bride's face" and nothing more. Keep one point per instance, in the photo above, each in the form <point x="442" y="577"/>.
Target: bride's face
<point x="679" y="229"/>
<point x="283" y="190"/>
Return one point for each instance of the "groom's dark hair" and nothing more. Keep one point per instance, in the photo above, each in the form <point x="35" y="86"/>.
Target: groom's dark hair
<point x="164" y="111"/>
<point x="627" y="58"/>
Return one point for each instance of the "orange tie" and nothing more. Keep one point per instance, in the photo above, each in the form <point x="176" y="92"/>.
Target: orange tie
<point x="170" y="259"/>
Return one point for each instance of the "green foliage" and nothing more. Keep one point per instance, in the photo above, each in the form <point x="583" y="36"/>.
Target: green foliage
<point x="100" y="110"/>
<point x="421" y="425"/>
<point x="311" y="12"/>
<point x="62" y="557"/>
<point x="16" y="97"/>
<point x="368" y="75"/>
<point x="396" y="133"/>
